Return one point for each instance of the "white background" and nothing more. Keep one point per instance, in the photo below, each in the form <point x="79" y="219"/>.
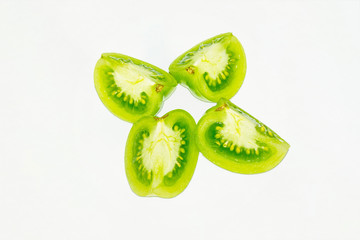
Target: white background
<point x="61" y="151"/>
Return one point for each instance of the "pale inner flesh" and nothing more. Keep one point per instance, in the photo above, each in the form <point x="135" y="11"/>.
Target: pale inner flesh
<point x="133" y="80"/>
<point x="212" y="59"/>
<point x="160" y="151"/>
<point x="239" y="129"/>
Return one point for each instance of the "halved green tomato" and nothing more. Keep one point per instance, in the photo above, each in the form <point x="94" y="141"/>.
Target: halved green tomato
<point x="213" y="69"/>
<point x="131" y="88"/>
<point x="161" y="154"/>
<point x="234" y="140"/>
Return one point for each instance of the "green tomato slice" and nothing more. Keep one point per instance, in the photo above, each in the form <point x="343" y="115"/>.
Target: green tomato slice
<point x="161" y="154"/>
<point x="213" y="69"/>
<point x="131" y="88"/>
<point x="234" y="140"/>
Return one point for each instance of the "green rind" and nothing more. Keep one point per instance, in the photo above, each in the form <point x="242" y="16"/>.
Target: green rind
<point x="279" y="147"/>
<point x="109" y="61"/>
<point x="162" y="190"/>
<point x="196" y="83"/>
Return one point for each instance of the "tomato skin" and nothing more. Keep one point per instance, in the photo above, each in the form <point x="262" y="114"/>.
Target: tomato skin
<point x="196" y="83"/>
<point x="271" y="147"/>
<point x="164" y="85"/>
<point x="169" y="187"/>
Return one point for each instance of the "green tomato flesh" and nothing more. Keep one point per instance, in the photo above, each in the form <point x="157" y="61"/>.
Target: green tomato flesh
<point x="131" y="88"/>
<point x="234" y="140"/>
<point x="213" y="69"/>
<point x="161" y="154"/>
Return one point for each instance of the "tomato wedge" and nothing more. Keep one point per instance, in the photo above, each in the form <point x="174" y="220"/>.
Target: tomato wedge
<point x="234" y="140"/>
<point x="161" y="154"/>
<point x="131" y="88"/>
<point x="213" y="69"/>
